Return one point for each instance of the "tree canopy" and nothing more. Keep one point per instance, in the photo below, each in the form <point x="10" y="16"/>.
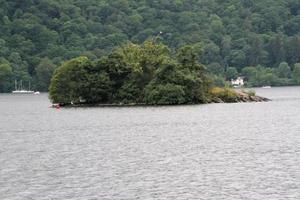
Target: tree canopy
<point x="133" y="74"/>
<point x="232" y="34"/>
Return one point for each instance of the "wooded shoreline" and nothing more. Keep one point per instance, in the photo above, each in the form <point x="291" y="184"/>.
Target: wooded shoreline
<point x="242" y="97"/>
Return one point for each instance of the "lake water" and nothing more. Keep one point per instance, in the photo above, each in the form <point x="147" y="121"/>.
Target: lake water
<point x="209" y="152"/>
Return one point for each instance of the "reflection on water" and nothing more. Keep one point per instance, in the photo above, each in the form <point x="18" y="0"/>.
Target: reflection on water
<point x="216" y="151"/>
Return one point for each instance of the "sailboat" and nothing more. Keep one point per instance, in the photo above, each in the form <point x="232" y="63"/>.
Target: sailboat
<point x="19" y="89"/>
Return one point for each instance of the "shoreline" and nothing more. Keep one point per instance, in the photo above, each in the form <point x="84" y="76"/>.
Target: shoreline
<point x="241" y="97"/>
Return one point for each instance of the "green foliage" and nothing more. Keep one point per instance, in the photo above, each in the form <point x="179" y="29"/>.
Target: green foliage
<point x="218" y="81"/>
<point x="225" y="94"/>
<point x="296" y="74"/>
<point x="165" y="94"/>
<point x="250" y="72"/>
<point x="44" y="73"/>
<point x="138" y="74"/>
<point x="215" y="68"/>
<point x="5" y="77"/>
<point x="231" y="73"/>
<point x="284" y="70"/>
<point x="78" y="81"/>
<point x="263" y="76"/>
<point x="230" y="33"/>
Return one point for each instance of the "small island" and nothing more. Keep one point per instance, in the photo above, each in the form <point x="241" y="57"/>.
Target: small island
<point x="146" y="74"/>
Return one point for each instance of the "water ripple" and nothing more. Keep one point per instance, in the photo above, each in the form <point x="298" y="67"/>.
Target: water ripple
<point x="218" y="151"/>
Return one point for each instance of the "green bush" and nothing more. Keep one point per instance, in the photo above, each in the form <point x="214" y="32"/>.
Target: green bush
<point x="133" y="74"/>
<point x="169" y="94"/>
<point x="225" y="94"/>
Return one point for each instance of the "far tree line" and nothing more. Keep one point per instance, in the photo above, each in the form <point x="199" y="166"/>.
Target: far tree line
<point x="37" y="36"/>
<point x="257" y="76"/>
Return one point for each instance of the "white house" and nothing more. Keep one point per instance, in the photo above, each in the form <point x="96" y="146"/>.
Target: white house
<point x="238" y="82"/>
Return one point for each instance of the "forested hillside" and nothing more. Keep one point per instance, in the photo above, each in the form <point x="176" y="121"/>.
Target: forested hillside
<point x="255" y="38"/>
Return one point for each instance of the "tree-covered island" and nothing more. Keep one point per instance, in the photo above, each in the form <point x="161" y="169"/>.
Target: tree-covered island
<point x="147" y="74"/>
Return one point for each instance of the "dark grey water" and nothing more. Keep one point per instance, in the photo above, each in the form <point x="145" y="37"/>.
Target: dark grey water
<point x="217" y="151"/>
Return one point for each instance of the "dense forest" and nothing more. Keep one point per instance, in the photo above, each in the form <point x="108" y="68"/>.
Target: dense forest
<point x="257" y="39"/>
<point x="146" y="74"/>
<point x="133" y="74"/>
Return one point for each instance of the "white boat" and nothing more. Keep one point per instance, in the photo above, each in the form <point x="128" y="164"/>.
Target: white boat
<point x="23" y="92"/>
<point x="37" y="92"/>
<point x="19" y="89"/>
<point x="266" y="87"/>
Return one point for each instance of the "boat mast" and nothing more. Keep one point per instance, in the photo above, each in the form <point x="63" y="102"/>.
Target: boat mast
<point x="16" y="85"/>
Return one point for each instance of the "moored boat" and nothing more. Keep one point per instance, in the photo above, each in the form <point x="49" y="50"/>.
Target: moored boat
<point x="19" y="89"/>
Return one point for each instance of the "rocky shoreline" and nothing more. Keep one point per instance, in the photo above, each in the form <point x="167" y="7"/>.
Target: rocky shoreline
<point x="242" y="97"/>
